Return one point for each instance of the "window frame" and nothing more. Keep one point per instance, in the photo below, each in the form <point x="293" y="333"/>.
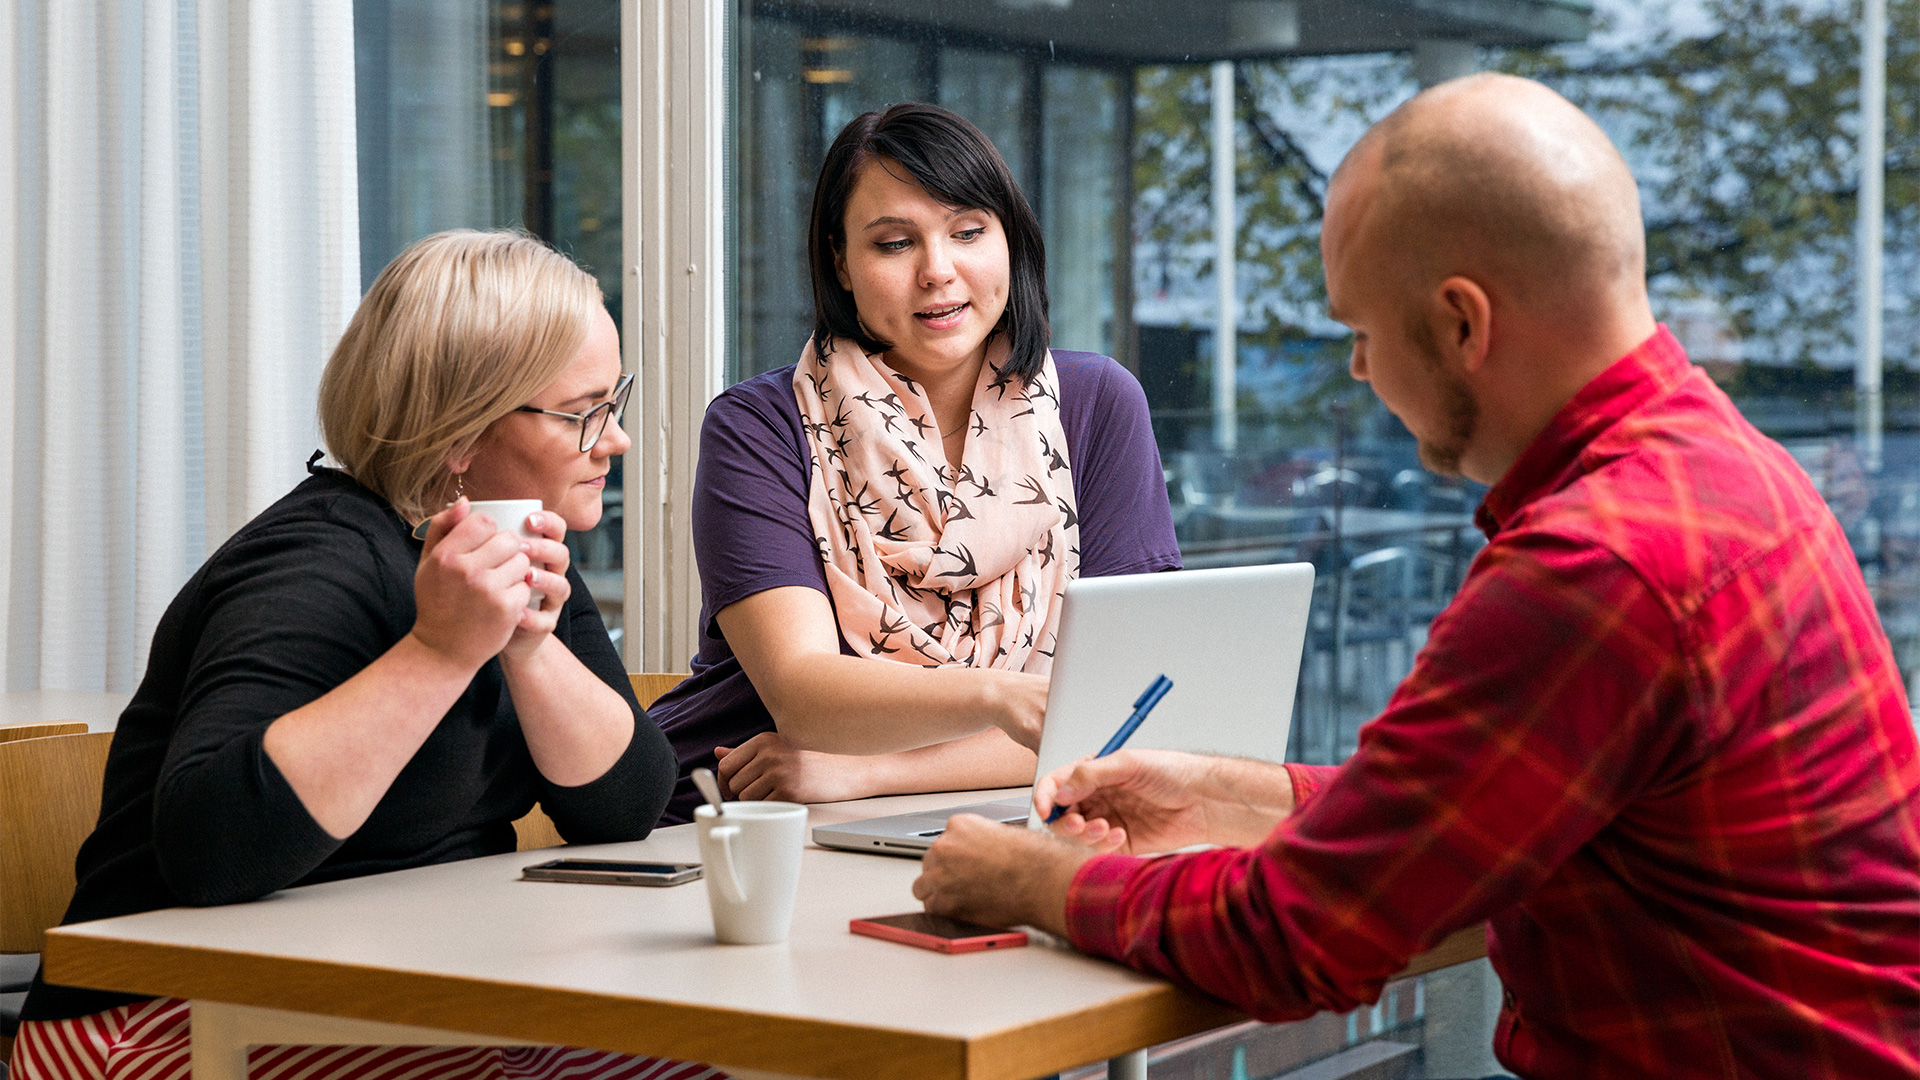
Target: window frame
<point x="673" y="120"/>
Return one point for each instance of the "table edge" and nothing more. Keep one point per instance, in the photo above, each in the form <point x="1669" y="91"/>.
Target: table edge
<point x="1153" y="1014"/>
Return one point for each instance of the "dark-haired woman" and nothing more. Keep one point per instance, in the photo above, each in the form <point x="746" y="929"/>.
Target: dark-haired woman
<point x="884" y="530"/>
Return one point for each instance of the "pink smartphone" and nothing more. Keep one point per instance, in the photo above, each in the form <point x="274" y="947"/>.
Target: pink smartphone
<point x="937" y="932"/>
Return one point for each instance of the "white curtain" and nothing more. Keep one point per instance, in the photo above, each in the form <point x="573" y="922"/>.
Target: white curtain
<point x="178" y="252"/>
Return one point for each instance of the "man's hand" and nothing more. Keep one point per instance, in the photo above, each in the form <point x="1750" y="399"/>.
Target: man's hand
<point x="1149" y="801"/>
<point x="1000" y="875"/>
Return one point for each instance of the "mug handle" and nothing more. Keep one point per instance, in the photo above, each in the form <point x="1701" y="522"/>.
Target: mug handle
<point x="722" y="868"/>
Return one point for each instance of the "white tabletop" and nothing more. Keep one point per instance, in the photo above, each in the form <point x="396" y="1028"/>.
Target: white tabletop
<point x="468" y="947"/>
<point x="98" y="709"/>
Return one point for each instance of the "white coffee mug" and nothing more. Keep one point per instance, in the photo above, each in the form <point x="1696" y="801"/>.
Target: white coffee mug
<point x="511" y="516"/>
<point x="752" y="856"/>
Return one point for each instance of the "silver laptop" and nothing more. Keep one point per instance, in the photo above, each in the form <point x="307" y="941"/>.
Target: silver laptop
<point x="1229" y="639"/>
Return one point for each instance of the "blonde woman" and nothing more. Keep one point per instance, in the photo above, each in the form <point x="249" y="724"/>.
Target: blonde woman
<point x="354" y="682"/>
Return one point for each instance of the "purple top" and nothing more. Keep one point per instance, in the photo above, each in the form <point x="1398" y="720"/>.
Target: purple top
<point x="751" y="531"/>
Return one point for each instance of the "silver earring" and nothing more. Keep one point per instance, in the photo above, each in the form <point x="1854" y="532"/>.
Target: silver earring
<point x="459" y="486"/>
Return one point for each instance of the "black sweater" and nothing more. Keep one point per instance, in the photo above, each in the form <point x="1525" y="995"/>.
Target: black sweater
<point x="301" y="599"/>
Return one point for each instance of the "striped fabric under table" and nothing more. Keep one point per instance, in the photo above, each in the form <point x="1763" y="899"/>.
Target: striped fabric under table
<point x="150" y="1040"/>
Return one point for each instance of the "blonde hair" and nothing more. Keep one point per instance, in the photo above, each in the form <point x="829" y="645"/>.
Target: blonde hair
<point x="458" y="331"/>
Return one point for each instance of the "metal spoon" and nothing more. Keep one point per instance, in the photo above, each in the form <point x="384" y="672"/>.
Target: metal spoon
<point x="709" y="787"/>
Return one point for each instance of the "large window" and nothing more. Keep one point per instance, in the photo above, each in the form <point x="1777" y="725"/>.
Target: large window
<point x="1740" y="117"/>
<point x="1112" y="130"/>
<point x="497" y="114"/>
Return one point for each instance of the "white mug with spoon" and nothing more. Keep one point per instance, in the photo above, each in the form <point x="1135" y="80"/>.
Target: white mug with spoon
<point x="752" y="856"/>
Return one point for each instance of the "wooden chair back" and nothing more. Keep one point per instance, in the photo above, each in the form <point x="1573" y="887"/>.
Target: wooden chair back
<point x="41" y="731"/>
<point x="49" y="802"/>
<point x="536" y="829"/>
<point x="648" y="686"/>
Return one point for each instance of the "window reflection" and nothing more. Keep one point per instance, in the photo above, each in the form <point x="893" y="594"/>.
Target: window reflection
<point x="1112" y="144"/>
<point x="489" y="115"/>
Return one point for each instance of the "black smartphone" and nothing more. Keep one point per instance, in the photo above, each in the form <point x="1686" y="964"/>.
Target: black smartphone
<point x="612" y="872"/>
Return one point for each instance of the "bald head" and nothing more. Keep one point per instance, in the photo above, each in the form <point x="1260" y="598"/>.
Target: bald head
<point x="1484" y="243"/>
<point x="1499" y="179"/>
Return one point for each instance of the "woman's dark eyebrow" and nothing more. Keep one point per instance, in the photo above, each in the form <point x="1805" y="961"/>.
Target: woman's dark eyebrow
<point x="889" y="220"/>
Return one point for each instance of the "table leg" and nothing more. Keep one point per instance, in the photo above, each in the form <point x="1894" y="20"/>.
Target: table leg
<point x="1125" y="1067"/>
<point x="219" y="1044"/>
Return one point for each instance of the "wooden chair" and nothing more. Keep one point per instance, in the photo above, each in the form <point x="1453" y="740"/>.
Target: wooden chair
<point x="536" y="829"/>
<point x="50" y="780"/>
<point x="50" y="777"/>
<point x="41" y="731"/>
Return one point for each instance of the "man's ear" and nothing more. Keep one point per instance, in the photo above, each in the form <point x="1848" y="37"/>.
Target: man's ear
<point x="1463" y="322"/>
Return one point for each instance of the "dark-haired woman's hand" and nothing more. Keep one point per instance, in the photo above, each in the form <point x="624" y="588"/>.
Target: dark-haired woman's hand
<point x="1018" y="703"/>
<point x="470" y="589"/>
<point x="547" y="576"/>
<point x="769" y="767"/>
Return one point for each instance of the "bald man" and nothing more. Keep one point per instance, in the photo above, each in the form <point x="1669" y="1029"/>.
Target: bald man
<point x="1657" y="742"/>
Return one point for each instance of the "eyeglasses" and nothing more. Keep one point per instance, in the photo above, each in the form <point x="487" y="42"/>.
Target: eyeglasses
<point x="593" y="422"/>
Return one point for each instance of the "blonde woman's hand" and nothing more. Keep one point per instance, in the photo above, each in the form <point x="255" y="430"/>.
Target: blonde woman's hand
<point x="767" y="766"/>
<point x="470" y="589"/>
<point x="548" y="575"/>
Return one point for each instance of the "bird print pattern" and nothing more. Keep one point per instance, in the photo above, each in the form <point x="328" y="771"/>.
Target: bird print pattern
<point x="929" y="564"/>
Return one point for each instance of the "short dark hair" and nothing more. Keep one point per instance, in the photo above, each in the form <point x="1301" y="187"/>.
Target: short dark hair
<point x="945" y="154"/>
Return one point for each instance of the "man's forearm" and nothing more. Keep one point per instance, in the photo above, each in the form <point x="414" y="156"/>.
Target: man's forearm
<point x="1251" y="799"/>
<point x="1047" y="881"/>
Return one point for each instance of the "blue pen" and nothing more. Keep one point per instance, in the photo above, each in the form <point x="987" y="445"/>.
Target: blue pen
<point x="1141" y="707"/>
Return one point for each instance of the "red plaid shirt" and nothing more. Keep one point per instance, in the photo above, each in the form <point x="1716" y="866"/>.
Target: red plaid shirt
<point x="1657" y="741"/>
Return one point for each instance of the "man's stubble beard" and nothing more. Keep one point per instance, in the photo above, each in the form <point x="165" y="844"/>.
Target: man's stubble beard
<point x="1462" y="413"/>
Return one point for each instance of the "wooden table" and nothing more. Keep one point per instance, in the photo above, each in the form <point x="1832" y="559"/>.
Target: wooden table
<point x="99" y="710"/>
<point x="466" y="947"/>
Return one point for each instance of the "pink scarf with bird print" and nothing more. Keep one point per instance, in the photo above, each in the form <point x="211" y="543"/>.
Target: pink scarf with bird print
<point x="927" y="564"/>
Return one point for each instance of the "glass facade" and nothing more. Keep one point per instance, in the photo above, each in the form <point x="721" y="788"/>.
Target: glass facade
<point x="1104" y="111"/>
<point x="497" y="115"/>
<point x="1114" y="152"/>
<point x="800" y="77"/>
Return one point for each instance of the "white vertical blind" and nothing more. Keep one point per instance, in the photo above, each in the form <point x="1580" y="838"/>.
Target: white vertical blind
<point x="178" y="252"/>
<point x="11" y="103"/>
<point x="281" y="220"/>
